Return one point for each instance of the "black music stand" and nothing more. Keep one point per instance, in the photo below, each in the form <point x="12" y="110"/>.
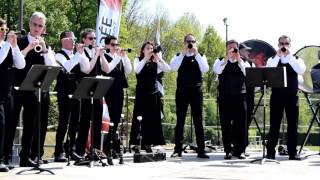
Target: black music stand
<point x="266" y="77"/>
<point x="39" y="79"/>
<point x="92" y="88"/>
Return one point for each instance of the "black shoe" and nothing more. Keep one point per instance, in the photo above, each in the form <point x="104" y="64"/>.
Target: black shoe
<point x="271" y="156"/>
<point x="241" y="156"/>
<point x="148" y="149"/>
<point x="246" y="154"/>
<point x="27" y="162"/>
<point x="203" y="155"/>
<point x="228" y="156"/>
<point x="75" y="156"/>
<point x="176" y="154"/>
<point x="3" y="168"/>
<point x="294" y="157"/>
<point x="60" y="158"/>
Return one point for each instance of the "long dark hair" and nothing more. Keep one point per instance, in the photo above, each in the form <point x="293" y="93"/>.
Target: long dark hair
<point x="142" y="48"/>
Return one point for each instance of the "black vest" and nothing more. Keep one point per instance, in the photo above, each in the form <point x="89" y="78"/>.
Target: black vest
<point x="6" y="77"/>
<point x="292" y="82"/>
<point x="120" y="80"/>
<point x="189" y="74"/>
<point x="96" y="70"/>
<point x="231" y="80"/>
<point x="31" y="59"/>
<point x="147" y="78"/>
<point x="68" y="81"/>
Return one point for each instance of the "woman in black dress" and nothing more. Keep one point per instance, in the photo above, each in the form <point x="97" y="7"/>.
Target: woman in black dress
<point x="147" y="106"/>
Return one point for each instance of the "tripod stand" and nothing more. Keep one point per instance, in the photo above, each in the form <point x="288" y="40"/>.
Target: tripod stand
<point x="92" y="88"/>
<point x="39" y="79"/>
<point x="315" y="117"/>
<point x="266" y="77"/>
<point x="191" y="145"/>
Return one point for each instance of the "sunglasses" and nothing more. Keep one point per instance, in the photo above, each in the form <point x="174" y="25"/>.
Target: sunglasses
<point x="282" y="44"/>
<point x="113" y="44"/>
<point x="37" y="25"/>
<point x="70" y="38"/>
<point x="2" y="29"/>
<point x="191" y="41"/>
<point x="91" y="38"/>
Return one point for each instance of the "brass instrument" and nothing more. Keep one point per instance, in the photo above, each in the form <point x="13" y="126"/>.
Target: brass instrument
<point x="38" y="48"/>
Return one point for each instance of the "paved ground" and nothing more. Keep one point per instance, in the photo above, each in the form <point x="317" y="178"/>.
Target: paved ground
<point x="187" y="167"/>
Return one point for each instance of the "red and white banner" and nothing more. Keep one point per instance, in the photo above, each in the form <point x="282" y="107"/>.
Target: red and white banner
<point x="108" y="19"/>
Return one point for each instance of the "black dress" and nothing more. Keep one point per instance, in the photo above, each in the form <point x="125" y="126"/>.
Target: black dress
<point x="148" y="106"/>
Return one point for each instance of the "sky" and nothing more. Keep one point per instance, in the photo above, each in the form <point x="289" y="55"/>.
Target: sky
<point x="265" y="20"/>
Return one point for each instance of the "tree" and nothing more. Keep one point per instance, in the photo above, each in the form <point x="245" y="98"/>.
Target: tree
<point x="213" y="47"/>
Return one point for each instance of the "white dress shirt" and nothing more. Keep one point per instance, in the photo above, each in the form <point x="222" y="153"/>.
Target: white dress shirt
<point x="219" y="65"/>
<point x="74" y="60"/>
<point x="48" y="57"/>
<point x="297" y="64"/>
<point x="18" y="58"/>
<point x="202" y="62"/>
<point x="116" y="60"/>
<point x="138" y="66"/>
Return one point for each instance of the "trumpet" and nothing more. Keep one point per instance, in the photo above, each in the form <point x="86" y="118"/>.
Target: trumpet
<point x="38" y="48"/>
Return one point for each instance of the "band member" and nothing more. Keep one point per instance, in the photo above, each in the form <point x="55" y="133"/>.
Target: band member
<point x="148" y="103"/>
<point x="285" y="99"/>
<point x="190" y="65"/>
<point x="119" y="66"/>
<point x="67" y="82"/>
<point x="31" y="46"/>
<point x="98" y="65"/>
<point x="232" y="102"/>
<point x="10" y="56"/>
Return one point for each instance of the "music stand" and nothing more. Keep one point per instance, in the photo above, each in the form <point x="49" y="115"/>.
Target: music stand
<point x="266" y="77"/>
<point x="92" y="88"/>
<point x="39" y="79"/>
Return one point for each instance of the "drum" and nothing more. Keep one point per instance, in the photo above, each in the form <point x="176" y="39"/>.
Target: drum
<point x="311" y="57"/>
<point x="260" y="51"/>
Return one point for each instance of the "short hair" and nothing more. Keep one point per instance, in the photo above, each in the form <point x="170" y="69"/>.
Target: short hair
<point x="186" y="36"/>
<point x="232" y="41"/>
<point x="64" y="34"/>
<point x="284" y="37"/>
<point x="85" y="32"/>
<point x="38" y="15"/>
<point x="108" y="39"/>
<point x="2" y="22"/>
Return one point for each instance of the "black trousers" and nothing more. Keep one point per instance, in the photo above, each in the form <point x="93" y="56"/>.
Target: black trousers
<point x="6" y="112"/>
<point x="84" y="125"/>
<point x="233" y="122"/>
<point x="28" y="100"/>
<point x="194" y="97"/>
<point x="69" y="114"/>
<point x="114" y="100"/>
<point x="278" y="104"/>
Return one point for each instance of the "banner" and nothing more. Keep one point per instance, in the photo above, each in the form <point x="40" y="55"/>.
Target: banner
<point x="108" y="19"/>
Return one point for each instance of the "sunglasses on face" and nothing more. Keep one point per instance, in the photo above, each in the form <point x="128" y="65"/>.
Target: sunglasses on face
<point x="114" y="44"/>
<point x="282" y="43"/>
<point x="71" y="38"/>
<point x="37" y="25"/>
<point x="191" y="41"/>
<point x="2" y="29"/>
<point x="91" y="38"/>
